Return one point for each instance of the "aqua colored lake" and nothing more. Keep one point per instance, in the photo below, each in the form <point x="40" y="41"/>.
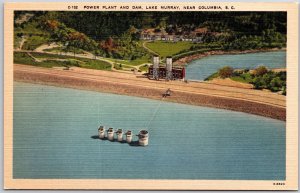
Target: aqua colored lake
<point x="54" y="131"/>
<point x="202" y="68"/>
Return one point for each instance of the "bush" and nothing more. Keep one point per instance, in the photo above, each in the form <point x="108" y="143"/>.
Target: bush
<point x="246" y="70"/>
<point x="284" y="90"/>
<point x="260" y="71"/>
<point x="276" y="84"/>
<point x="72" y="63"/>
<point x="258" y="83"/>
<point x="226" y="72"/>
<point x="34" y="41"/>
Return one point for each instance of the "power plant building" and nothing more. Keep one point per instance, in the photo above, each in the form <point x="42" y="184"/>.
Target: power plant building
<point x="168" y="72"/>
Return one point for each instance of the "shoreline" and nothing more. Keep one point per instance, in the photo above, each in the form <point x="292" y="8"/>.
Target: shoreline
<point x="187" y="59"/>
<point x="199" y="94"/>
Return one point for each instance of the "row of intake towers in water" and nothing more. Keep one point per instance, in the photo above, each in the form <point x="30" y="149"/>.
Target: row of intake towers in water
<point x="110" y="135"/>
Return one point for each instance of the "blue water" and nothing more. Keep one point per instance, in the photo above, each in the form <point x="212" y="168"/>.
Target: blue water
<point x="55" y="136"/>
<point x="202" y="68"/>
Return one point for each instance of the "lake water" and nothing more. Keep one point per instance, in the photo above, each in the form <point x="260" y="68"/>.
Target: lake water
<point x="202" y="68"/>
<point x="55" y="136"/>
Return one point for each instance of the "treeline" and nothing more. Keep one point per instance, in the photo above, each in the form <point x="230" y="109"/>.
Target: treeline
<point x="101" y="25"/>
<point x="116" y="34"/>
<point x="236" y="30"/>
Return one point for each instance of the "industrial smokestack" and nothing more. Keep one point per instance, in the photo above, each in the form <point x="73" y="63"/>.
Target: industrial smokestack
<point x="169" y="63"/>
<point x="169" y="66"/>
<point x="155" y="67"/>
<point x="155" y="61"/>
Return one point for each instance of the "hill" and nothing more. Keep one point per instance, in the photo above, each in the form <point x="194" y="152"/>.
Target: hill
<point x="118" y="35"/>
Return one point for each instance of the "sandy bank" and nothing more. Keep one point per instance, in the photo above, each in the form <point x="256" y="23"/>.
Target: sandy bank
<point x="203" y="94"/>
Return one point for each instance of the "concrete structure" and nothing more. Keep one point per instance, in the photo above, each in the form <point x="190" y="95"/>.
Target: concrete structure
<point x="110" y="134"/>
<point x="143" y="137"/>
<point x="169" y="72"/>
<point x="119" y="135"/>
<point x="101" y="132"/>
<point x="155" y="67"/>
<point x="169" y="67"/>
<point x="128" y="136"/>
<point x="177" y="73"/>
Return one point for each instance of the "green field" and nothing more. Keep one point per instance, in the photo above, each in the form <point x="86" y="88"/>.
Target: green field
<point x="244" y="78"/>
<point x="168" y="48"/>
<point x="138" y="61"/>
<point x="24" y="58"/>
<point x="49" y="61"/>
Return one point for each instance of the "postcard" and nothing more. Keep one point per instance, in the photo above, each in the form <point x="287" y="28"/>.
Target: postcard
<point x="151" y="96"/>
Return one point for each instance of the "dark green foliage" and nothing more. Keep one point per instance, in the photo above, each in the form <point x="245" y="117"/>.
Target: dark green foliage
<point x="116" y="34"/>
<point x="258" y="82"/>
<point x="274" y="81"/>
<point x="102" y="25"/>
<point x="265" y="79"/>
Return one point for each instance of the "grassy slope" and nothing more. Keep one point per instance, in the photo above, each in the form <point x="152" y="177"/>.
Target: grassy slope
<point x="35" y="36"/>
<point x="23" y="58"/>
<point x="34" y="42"/>
<point x="244" y="78"/>
<point x="138" y="61"/>
<point x="168" y="48"/>
<point x="62" y="50"/>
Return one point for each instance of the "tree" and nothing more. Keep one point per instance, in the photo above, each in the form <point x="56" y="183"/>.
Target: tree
<point x="76" y="40"/>
<point x="260" y="71"/>
<point x="226" y="72"/>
